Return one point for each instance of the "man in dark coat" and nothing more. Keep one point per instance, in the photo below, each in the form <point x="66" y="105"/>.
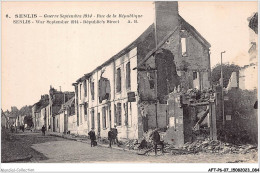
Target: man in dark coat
<point x="12" y="128"/>
<point x="110" y="137"/>
<point x="23" y="127"/>
<point x="43" y="130"/>
<point x="92" y="137"/>
<point x="115" y="132"/>
<point x="156" y="140"/>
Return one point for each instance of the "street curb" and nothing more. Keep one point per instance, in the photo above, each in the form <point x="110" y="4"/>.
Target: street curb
<point x="85" y="141"/>
<point x="20" y="159"/>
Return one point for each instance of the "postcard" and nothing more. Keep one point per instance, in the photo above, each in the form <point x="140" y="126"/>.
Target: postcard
<point x="129" y="86"/>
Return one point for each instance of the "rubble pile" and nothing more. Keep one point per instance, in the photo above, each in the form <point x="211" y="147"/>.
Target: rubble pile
<point x="74" y="135"/>
<point x="145" y="143"/>
<point x="132" y="144"/>
<point x="147" y="135"/>
<point x="195" y="95"/>
<point x="218" y="147"/>
<point x="103" y="140"/>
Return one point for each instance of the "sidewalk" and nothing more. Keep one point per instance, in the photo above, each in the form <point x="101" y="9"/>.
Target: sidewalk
<point x="86" y="140"/>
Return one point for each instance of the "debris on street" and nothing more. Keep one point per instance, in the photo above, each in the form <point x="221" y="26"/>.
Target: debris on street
<point x="209" y="146"/>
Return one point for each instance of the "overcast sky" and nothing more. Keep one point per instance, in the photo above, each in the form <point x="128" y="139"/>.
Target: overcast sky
<point x="36" y="56"/>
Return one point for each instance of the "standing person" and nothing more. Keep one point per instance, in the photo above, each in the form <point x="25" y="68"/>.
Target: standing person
<point x="110" y="137"/>
<point x="43" y="130"/>
<point x="12" y="128"/>
<point x="92" y="137"/>
<point x="115" y="132"/>
<point x="156" y="140"/>
<point x="23" y="127"/>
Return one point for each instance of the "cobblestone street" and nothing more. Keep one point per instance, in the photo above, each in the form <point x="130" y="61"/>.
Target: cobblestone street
<point x="52" y="149"/>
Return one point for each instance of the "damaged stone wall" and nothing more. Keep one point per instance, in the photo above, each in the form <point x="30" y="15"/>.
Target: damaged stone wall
<point x="173" y="69"/>
<point x="145" y="117"/>
<point x="146" y="85"/>
<point x="175" y="132"/>
<point x="241" y="117"/>
<point x="148" y="116"/>
<point x="145" y="90"/>
<point x="156" y="78"/>
<point x="187" y="122"/>
<point x="167" y="77"/>
<point x="104" y="89"/>
<point x="219" y="114"/>
<point x="162" y="115"/>
<point x="196" y="58"/>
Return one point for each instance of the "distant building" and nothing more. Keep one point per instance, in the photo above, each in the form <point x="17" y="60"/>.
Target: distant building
<point x="67" y="110"/>
<point x="248" y="75"/>
<point x="11" y="119"/>
<point x="4" y="121"/>
<point x="20" y="120"/>
<point x="56" y="100"/>
<point x="38" y="112"/>
<point x="130" y="89"/>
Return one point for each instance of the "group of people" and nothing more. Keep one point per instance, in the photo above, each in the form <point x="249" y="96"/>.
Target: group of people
<point x="112" y="137"/>
<point x="14" y="128"/>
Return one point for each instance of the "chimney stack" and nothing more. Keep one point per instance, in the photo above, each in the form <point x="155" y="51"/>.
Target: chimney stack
<point x="166" y="18"/>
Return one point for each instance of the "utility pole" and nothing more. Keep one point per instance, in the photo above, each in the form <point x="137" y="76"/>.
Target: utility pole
<point x="156" y="81"/>
<point x="222" y="93"/>
<point x="65" y="115"/>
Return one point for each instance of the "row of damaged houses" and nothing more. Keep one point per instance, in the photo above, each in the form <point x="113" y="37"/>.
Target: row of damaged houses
<point x="131" y="89"/>
<point x="161" y="80"/>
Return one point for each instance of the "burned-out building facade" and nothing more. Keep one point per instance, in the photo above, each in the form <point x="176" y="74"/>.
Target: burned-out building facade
<point x="130" y="90"/>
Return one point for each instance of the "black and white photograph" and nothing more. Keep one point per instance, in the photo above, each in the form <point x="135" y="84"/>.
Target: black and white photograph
<point x="138" y="82"/>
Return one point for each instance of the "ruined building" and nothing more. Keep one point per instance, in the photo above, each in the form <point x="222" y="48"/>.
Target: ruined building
<point x="130" y="89"/>
<point x="241" y="103"/>
<point x="248" y="78"/>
